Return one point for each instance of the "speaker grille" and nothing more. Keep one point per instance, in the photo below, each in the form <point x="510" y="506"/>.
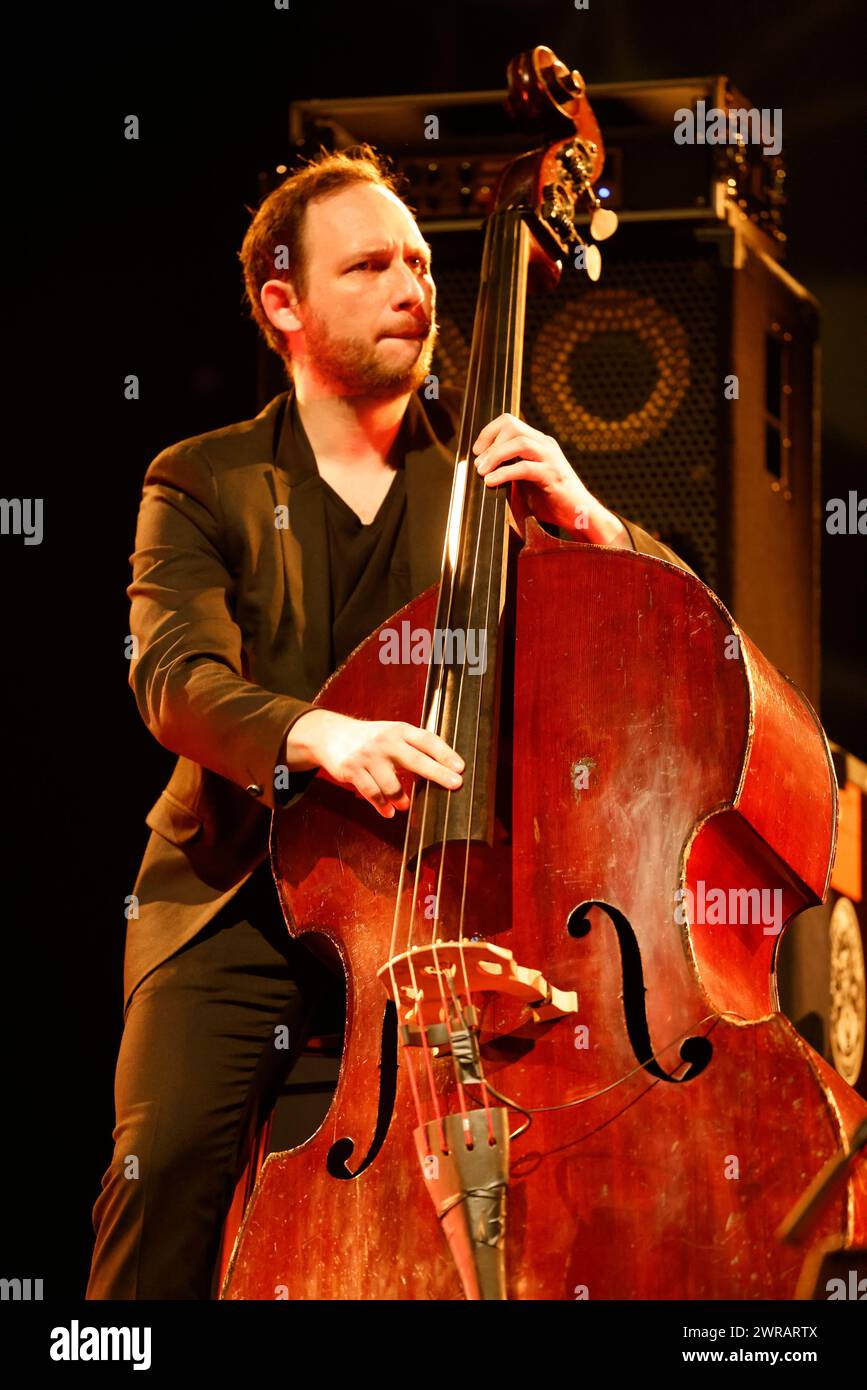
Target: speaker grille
<point x="625" y="374"/>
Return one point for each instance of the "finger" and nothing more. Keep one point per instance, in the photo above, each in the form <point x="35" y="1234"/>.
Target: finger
<point x="367" y="787"/>
<point x="515" y="446"/>
<point x="522" y="471"/>
<point x="487" y="435"/>
<point x="428" y="768"/>
<point x="506" y="436"/>
<point x="383" y="773"/>
<point x="435" y="747"/>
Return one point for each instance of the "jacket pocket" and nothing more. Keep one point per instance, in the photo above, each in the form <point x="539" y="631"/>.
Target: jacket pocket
<point x="175" y="822"/>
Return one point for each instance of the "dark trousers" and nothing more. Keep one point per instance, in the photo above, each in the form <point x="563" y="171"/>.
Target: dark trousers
<point x="198" y="1054"/>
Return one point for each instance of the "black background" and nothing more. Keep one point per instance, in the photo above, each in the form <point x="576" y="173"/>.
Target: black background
<point x="123" y="260"/>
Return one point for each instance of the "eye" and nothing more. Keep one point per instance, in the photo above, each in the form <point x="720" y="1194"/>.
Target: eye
<point x="370" y="263"/>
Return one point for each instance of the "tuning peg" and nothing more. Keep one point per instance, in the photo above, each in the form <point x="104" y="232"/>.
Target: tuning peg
<point x="593" y="262"/>
<point x="590" y="258"/>
<point x="603" y="224"/>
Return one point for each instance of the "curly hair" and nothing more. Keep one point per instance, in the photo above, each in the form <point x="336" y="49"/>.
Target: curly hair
<point x="279" y="220"/>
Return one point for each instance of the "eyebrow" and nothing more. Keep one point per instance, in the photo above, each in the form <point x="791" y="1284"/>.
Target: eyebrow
<point x="366" y="253"/>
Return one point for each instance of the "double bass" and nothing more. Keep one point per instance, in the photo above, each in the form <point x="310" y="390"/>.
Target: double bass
<point x="559" y="1078"/>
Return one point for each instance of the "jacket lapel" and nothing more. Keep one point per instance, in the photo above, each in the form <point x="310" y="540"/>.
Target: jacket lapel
<point x="305" y="548"/>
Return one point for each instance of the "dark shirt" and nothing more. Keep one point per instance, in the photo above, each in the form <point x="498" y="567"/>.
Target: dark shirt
<point x="368" y="565"/>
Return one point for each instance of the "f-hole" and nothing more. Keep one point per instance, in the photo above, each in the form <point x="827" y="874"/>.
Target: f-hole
<point x="342" y="1149"/>
<point x="695" y="1051"/>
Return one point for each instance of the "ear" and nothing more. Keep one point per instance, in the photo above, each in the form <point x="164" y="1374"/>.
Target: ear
<point x="280" y="304"/>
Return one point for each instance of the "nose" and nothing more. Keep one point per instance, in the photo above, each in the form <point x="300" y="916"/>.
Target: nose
<point x="410" y="291"/>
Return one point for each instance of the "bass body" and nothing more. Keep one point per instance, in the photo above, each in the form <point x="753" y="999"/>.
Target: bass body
<point x="656" y="763"/>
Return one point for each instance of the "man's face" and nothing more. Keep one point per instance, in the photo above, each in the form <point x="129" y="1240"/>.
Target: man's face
<point x="368" y="312"/>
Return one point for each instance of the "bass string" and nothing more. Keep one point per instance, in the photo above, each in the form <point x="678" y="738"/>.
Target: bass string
<point x="437" y="705"/>
<point x="503" y="346"/>
<point x="496" y="499"/>
<point x="489" y="499"/>
<point x="432" y="699"/>
<point x="448" y="570"/>
<point x="501" y="341"/>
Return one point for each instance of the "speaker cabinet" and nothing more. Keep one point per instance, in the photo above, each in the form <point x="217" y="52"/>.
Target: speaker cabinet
<point x="682" y="388"/>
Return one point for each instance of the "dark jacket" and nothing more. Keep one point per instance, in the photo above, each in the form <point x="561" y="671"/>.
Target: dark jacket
<point x="231" y="615"/>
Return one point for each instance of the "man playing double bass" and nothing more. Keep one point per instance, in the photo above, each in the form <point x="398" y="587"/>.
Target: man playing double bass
<point x="265" y="552"/>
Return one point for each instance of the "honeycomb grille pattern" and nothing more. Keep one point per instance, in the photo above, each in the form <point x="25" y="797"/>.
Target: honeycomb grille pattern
<point x="625" y="374"/>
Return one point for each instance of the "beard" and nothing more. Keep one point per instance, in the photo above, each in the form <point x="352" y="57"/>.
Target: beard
<point x="358" y="368"/>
